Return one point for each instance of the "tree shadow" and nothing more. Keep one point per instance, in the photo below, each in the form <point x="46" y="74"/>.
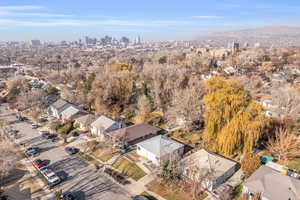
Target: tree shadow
<point x="47" y="149"/>
<point x="46" y="161"/>
<point x="80" y="195"/>
<point x="14" y="176"/>
<point x="69" y="164"/>
<point x="15" y="192"/>
<point x="63" y="175"/>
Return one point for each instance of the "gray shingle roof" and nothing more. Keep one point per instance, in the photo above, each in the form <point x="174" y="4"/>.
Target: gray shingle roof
<point x="70" y="111"/>
<point x="207" y="161"/>
<point x="160" y="145"/>
<point x="59" y="103"/>
<point x="273" y="185"/>
<point x="86" y="120"/>
<point x="103" y="122"/>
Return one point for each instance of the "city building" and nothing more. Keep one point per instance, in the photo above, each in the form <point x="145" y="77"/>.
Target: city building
<point x="35" y="43"/>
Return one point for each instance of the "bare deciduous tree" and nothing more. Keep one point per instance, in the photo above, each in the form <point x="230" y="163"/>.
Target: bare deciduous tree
<point x="35" y="98"/>
<point x="8" y="154"/>
<point x="285" y="146"/>
<point x="286" y="102"/>
<point x="186" y="105"/>
<point x="197" y="180"/>
<point x="144" y="109"/>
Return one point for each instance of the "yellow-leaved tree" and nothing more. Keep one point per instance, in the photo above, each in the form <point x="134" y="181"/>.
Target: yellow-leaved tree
<point x="233" y="120"/>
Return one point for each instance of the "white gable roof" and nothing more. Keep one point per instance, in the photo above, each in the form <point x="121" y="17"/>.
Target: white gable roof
<point x="103" y="122"/>
<point x="160" y="145"/>
<point x="70" y="111"/>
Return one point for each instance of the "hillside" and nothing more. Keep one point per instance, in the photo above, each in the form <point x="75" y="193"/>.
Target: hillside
<point x="267" y="36"/>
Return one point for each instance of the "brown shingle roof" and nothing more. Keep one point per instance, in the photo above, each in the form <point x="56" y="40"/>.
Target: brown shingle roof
<point x="134" y="132"/>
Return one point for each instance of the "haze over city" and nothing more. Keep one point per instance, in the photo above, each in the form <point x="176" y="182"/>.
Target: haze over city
<point x="155" y="20"/>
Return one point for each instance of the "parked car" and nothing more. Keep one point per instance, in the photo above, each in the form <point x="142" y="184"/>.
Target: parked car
<point x="68" y="196"/>
<point x="140" y="197"/>
<point x="38" y="163"/>
<point x="75" y="133"/>
<point x="48" y="172"/>
<point x="71" y="150"/>
<point x="43" y="119"/>
<point x="15" y="131"/>
<point x="21" y="118"/>
<point x="31" y="151"/>
<point x="53" y="181"/>
<point x="34" y="126"/>
<point x="43" y="169"/>
<point x="51" y="136"/>
<point x="43" y="132"/>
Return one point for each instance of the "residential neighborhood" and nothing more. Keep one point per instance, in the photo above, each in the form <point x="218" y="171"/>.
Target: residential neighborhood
<point x="149" y="100"/>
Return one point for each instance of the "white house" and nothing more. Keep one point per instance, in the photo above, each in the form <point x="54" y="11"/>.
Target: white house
<point x="103" y="125"/>
<point x="85" y="121"/>
<point x="57" y="108"/>
<point x="214" y="169"/>
<point x="70" y="112"/>
<point x="160" y="148"/>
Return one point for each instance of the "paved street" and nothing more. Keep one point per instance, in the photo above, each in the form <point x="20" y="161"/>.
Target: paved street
<point x="81" y="177"/>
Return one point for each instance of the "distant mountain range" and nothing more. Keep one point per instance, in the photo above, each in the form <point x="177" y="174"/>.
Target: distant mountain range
<point x="266" y="36"/>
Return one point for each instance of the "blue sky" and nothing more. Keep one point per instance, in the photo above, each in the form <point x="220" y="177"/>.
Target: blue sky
<point x="151" y="19"/>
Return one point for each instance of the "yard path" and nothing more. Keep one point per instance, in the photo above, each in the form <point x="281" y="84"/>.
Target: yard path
<point x="138" y="187"/>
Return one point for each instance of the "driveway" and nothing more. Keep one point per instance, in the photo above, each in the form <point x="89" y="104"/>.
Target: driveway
<point x="81" y="177"/>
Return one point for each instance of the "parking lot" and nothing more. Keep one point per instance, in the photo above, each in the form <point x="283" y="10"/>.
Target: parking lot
<point x="81" y="178"/>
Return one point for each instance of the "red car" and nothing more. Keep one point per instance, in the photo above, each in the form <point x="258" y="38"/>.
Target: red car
<point x="38" y="163"/>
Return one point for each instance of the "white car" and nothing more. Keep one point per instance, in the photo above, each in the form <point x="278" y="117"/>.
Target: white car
<point x="53" y="180"/>
<point x="49" y="173"/>
<point x="43" y="169"/>
<point x="43" y="132"/>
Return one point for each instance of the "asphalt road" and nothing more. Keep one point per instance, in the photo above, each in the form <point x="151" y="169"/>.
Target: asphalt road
<point x="82" y="179"/>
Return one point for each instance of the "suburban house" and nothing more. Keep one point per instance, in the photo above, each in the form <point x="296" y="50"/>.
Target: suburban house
<point x="85" y="121"/>
<point x="160" y="148"/>
<point x="209" y="168"/>
<point x="71" y="112"/>
<point x="272" y="185"/>
<point x="104" y="125"/>
<point x="133" y="134"/>
<point x="57" y="108"/>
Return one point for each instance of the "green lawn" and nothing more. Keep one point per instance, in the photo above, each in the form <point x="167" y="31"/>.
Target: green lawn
<point x="103" y="155"/>
<point x="129" y="168"/>
<point x="295" y="164"/>
<point x="88" y="158"/>
<point x="188" y="138"/>
<point x="237" y="191"/>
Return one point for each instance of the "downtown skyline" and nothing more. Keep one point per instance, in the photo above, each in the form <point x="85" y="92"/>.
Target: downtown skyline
<point x="156" y="20"/>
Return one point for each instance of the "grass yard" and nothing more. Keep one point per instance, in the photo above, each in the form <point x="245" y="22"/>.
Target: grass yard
<point x="103" y="155"/>
<point x="145" y="194"/>
<point x="129" y="168"/>
<point x="169" y="193"/>
<point x="188" y="138"/>
<point x="237" y="191"/>
<point x="295" y="164"/>
<point x="88" y="158"/>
